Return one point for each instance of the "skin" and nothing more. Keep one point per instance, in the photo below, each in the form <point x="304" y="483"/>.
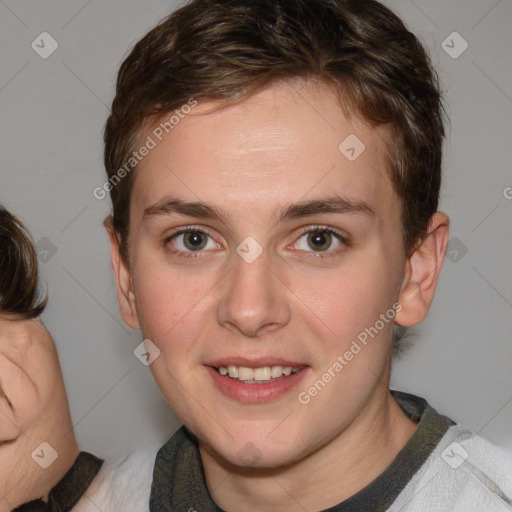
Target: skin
<point x="252" y="160"/>
<point x="33" y="409"/>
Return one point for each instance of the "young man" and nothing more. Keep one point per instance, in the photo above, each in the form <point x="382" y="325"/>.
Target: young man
<point x="274" y="168"/>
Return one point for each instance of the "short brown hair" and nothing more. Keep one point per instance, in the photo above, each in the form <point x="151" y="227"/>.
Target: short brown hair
<point x="20" y="297"/>
<point x="227" y="50"/>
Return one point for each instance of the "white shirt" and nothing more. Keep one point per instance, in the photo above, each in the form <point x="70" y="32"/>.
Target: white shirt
<point x="464" y="473"/>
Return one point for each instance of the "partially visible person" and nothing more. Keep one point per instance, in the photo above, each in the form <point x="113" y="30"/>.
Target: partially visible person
<point x="41" y="467"/>
<point x="35" y="422"/>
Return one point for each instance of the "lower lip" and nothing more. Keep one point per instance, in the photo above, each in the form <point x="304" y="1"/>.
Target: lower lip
<point x="255" y="393"/>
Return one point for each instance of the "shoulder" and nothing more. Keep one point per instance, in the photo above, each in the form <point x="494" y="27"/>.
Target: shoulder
<point x="121" y="485"/>
<point x="465" y="473"/>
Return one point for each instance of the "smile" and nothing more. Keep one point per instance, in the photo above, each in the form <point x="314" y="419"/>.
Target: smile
<point x="257" y="375"/>
<point x="257" y="384"/>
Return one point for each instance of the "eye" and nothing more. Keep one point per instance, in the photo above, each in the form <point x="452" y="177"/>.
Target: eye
<point x="190" y="240"/>
<point x="320" y="239"/>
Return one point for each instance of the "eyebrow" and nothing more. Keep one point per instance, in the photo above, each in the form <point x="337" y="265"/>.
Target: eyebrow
<point x="336" y="204"/>
<point x="200" y="210"/>
<point x="168" y="206"/>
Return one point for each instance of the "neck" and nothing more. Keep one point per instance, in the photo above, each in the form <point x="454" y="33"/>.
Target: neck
<point x="325" y="478"/>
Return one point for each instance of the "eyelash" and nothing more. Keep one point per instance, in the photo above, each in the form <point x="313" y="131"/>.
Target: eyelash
<point x="309" y="229"/>
<point x="179" y="231"/>
<point x="324" y="229"/>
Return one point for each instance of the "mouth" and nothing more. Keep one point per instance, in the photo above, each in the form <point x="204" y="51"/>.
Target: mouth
<point x="259" y="375"/>
<point x="262" y="381"/>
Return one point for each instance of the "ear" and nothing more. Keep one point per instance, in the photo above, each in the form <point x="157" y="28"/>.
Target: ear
<point x="422" y="272"/>
<point x="125" y="295"/>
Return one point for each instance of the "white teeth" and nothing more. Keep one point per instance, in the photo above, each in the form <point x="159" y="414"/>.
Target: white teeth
<point x="262" y="373"/>
<point x="245" y="373"/>
<point x="233" y="371"/>
<point x="276" y="371"/>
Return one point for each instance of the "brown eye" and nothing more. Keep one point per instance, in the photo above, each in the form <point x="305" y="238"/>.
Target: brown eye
<point x="191" y="240"/>
<point x="195" y="240"/>
<point x="319" y="240"/>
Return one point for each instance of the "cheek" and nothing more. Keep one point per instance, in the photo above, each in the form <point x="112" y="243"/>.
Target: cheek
<point x="169" y="303"/>
<point x="349" y="299"/>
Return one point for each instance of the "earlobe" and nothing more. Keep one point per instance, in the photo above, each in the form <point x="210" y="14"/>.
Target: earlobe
<point x="125" y="295"/>
<point x="422" y="272"/>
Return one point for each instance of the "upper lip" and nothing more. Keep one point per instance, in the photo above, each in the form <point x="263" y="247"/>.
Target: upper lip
<point x="254" y="362"/>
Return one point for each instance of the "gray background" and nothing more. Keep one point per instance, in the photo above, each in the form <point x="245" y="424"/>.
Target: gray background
<point x="53" y="111"/>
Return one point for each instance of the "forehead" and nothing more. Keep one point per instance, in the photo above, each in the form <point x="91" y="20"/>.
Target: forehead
<point x="288" y="143"/>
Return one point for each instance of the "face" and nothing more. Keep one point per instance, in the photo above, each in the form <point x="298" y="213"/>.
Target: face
<point x="260" y="247"/>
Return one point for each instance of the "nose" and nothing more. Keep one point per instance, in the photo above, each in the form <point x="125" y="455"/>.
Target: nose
<point x="254" y="299"/>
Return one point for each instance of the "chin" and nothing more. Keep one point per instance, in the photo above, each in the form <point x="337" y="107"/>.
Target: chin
<point x="248" y="449"/>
